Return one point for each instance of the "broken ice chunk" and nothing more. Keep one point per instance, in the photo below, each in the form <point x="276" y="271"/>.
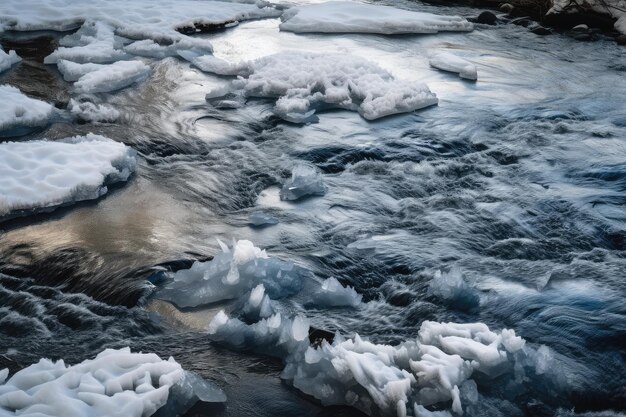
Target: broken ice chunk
<point x="258" y="218"/>
<point x="449" y="62"/>
<point x="8" y="60"/>
<point x="18" y="111"/>
<point x="305" y="180"/>
<point x="188" y="391"/>
<point x="332" y="294"/>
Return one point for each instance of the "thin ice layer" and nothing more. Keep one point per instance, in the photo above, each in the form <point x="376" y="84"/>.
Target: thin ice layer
<point x="348" y="17"/>
<point x="306" y="82"/>
<point x="115" y="383"/>
<point x="446" y="61"/>
<point x="158" y="20"/>
<point x="18" y="110"/>
<point x="43" y="174"/>
<point x="7" y="60"/>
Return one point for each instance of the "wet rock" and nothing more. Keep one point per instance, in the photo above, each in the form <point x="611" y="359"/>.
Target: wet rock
<point x="580" y="28"/>
<point x="506" y="7"/>
<point x="621" y="40"/>
<point x="486" y="18"/>
<point x="541" y="31"/>
<point x="523" y="21"/>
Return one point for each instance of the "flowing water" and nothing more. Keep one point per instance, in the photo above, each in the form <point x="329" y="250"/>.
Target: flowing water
<point x="518" y="181"/>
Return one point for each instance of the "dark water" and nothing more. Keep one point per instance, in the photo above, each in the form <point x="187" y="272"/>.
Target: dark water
<point x="518" y="181"/>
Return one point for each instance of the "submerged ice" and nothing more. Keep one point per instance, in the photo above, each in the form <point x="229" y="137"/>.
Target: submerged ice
<point x="304" y="83"/>
<point x="40" y="175"/>
<point x="114" y="383"/>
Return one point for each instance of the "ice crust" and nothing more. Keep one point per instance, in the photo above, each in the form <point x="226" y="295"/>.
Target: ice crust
<point x="305" y="82"/>
<point x="115" y="383"/>
<point x="305" y="181"/>
<point x="7" y="60"/>
<point x="446" y="61"/>
<point x="349" y="17"/>
<point x="18" y="110"/>
<point x="41" y="174"/>
<point x="137" y="20"/>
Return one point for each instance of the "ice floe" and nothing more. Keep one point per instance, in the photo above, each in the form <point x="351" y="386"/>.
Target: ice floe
<point x="18" y="110"/>
<point x="41" y="175"/>
<point x="305" y="181"/>
<point x="446" y="61"/>
<point x="115" y="383"/>
<point x="306" y="82"/>
<point x="7" y="60"/>
<point x="353" y="17"/>
<point x="102" y="78"/>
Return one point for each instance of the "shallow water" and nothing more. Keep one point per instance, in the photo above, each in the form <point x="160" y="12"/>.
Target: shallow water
<point x="517" y="180"/>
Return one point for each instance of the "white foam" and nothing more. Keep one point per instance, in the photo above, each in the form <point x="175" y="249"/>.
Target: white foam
<point x="349" y="17"/>
<point x="44" y="174"/>
<point x="449" y="62"/>
<point x="18" y="110"/>
<point x="7" y="60"/>
<point x="306" y="82"/>
<point x="115" y="383"/>
<point x="93" y="112"/>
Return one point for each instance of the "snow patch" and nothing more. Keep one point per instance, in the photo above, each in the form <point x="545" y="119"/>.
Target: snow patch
<point x="348" y="17"/>
<point x="446" y="61"/>
<point x="43" y="174"/>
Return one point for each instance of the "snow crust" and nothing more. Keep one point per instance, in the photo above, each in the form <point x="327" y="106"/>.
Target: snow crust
<point x="115" y="383"/>
<point x="305" y="181"/>
<point x="306" y="82"/>
<point x="18" y="110"/>
<point x="7" y="60"/>
<point x="99" y="78"/>
<point x="43" y="174"/>
<point x="449" y="62"/>
<point x="349" y="17"/>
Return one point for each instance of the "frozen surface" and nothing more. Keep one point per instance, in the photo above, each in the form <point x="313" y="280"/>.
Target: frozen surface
<point x="305" y="181"/>
<point x="42" y="174"/>
<point x="449" y="62"/>
<point x="306" y="82"/>
<point x="115" y="383"/>
<point x="18" y="110"/>
<point x="156" y="20"/>
<point x="102" y="78"/>
<point x="229" y="275"/>
<point x="92" y="112"/>
<point x="7" y="60"/>
<point x="613" y="8"/>
<point x="349" y="17"/>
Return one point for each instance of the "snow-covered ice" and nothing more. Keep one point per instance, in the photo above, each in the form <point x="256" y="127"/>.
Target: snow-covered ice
<point x="40" y="175"/>
<point x="306" y="82"/>
<point x="305" y="181"/>
<point x="18" y="110"/>
<point x="115" y="383"/>
<point x="353" y="17"/>
<point x="7" y="60"/>
<point x="230" y="274"/>
<point x="158" y="20"/>
<point x="102" y="78"/>
<point x="446" y="61"/>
